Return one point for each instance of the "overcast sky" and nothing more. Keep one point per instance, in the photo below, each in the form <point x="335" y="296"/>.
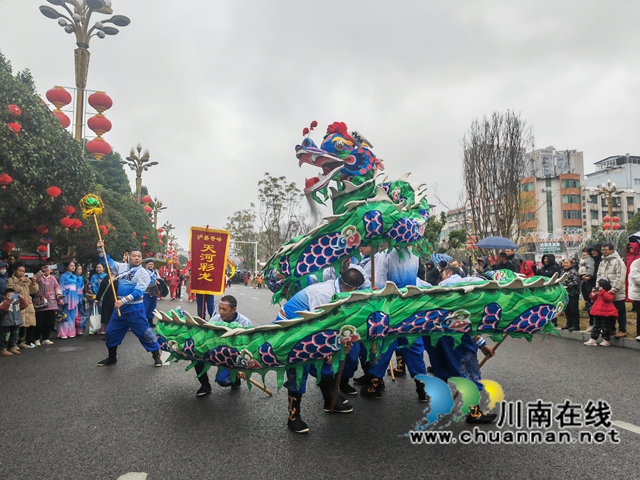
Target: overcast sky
<point x="219" y="91"/>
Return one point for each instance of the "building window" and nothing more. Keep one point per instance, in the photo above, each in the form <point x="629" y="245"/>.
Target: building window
<point x="571" y="214"/>
<point x="594" y="215"/>
<point x="629" y="201"/>
<point x="636" y="181"/>
<point x="570" y="198"/>
<point x="593" y="199"/>
<point x="528" y="217"/>
<point x="570" y="183"/>
<point x="527" y="187"/>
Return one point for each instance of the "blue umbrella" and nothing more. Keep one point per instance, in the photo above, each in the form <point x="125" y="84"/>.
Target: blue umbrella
<point x="439" y="257"/>
<point x="497" y="243"/>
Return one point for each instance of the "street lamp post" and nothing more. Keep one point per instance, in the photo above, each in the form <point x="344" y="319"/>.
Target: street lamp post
<point x="77" y="21"/>
<point x="168" y="228"/>
<point x="609" y="189"/>
<point x="138" y="163"/>
<point x="157" y="208"/>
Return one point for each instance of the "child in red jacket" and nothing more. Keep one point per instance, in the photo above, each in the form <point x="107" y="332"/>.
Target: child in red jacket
<point x="604" y="312"/>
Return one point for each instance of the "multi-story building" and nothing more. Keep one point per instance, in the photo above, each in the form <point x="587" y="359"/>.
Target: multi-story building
<point x="623" y="170"/>
<point x="549" y="162"/>
<point x="595" y="206"/>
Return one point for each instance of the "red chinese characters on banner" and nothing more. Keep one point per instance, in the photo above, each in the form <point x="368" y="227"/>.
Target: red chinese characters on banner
<point x="209" y="249"/>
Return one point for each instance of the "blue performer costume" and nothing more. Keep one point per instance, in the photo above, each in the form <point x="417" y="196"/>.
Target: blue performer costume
<point x="133" y="281"/>
<point x="461" y="361"/>
<point x="403" y="272"/>
<point x="309" y="299"/>
<point x="223" y="377"/>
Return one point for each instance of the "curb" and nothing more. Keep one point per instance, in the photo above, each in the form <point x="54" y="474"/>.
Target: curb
<point x="583" y="336"/>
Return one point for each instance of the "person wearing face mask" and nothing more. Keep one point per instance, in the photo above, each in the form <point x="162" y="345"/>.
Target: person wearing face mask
<point x="3" y="276"/>
<point x="69" y="288"/>
<point x="49" y="289"/>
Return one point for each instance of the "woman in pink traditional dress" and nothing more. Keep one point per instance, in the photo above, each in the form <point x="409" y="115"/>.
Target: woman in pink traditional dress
<point x="46" y="316"/>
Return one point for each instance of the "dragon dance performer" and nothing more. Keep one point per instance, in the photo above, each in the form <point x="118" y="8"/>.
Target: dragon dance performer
<point x="461" y="361"/>
<point x="133" y="281"/>
<point x="401" y="271"/>
<point x="309" y="299"/>
<point x="227" y="312"/>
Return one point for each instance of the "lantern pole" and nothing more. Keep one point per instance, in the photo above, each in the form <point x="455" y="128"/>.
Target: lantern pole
<point x="77" y="21"/>
<point x="138" y="163"/>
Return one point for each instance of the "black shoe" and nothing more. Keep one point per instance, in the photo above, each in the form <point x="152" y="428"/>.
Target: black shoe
<point x="295" y="422"/>
<point x="111" y="360"/>
<point x="363" y="380"/>
<point x="574" y="329"/>
<point x="475" y="415"/>
<point x="422" y="395"/>
<point x="236" y="385"/>
<point x="204" y="390"/>
<point x="157" y="361"/>
<point x="107" y="361"/>
<point x="400" y="370"/>
<point x="372" y="391"/>
<point x="327" y="386"/>
<point x="346" y="388"/>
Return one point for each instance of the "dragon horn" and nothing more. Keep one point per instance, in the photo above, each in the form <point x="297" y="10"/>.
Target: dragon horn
<point x="176" y="319"/>
<point x="163" y="316"/>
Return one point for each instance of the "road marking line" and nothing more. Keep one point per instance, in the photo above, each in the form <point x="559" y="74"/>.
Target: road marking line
<point x="627" y="426"/>
<point x="254" y="298"/>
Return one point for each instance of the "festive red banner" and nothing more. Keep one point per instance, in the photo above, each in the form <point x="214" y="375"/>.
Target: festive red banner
<point x="209" y="249"/>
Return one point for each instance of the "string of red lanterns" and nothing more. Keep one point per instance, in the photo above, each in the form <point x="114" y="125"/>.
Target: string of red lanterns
<point x="100" y="125"/>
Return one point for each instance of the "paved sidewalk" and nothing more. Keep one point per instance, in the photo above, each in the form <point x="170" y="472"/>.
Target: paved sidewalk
<point x="615" y="342"/>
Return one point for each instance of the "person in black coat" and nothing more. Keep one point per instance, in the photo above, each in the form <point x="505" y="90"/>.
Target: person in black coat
<point x="107" y="301"/>
<point x="432" y="273"/>
<point x="549" y="266"/>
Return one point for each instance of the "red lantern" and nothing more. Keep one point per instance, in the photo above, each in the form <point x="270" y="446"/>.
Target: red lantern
<point x="606" y="219"/>
<point x="5" y="180"/>
<point x="98" y="147"/>
<point x="69" y="210"/>
<point x="76" y="224"/>
<point x="616" y="226"/>
<point x="64" y="120"/>
<point x="99" y="124"/>
<point x="144" y="244"/>
<point x="100" y="101"/>
<point x="144" y="237"/>
<point x="42" y="229"/>
<point x="7" y="246"/>
<point x="160" y="230"/>
<point x="146" y="199"/>
<point x="615" y="219"/>
<point x="53" y="192"/>
<point x="15" y="110"/>
<point x="148" y="209"/>
<point x="104" y="230"/>
<point x="59" y="97"/>
<point x="161" y="242"/>
<point x="67" y="223"/>
<point x="14" y="127"/>
<point x="606" y="226"/>
<point x="8" y="227"/>
<point x="42" y="249"/>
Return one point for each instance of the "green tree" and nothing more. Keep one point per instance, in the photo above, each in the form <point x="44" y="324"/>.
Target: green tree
<point x="279" y="213"/>
<point x="242" y="227"/>
<point x="433" y="229"/>
<point x="457" y="238"/>
<point x="41" y="155"/>
<point x="110" y="174"/>
<point x="633" y="225"/>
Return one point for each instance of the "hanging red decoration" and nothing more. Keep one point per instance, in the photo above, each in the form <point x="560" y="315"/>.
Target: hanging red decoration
<point x="53" y="192"/>
<point x="161" y="242"/>
<point x="146" y="199"/>
<point x="67" y="223"/>
<point x="606" y="226"/>
<point x="99" y="124"/>
<point x="98" y="147"/>
<point x="42" y="249"/>
<point x="59" y="97"/>
<point x="144" y="244"/>
<point x="100" y="101"/>
<point x="615" y="219"/>
<point x="7" y="247"/>
<point x="160" y="230"/>
<point x="15" y="110"/>
<point x="5" y="180"/>
<point x="616" y="226"/>
<point x="76" y="224"/>
<point x="144" y="237"/>
<point x="148" y="209"/>
<point x="69" y="210"/>
<point x="606" y="218"/>
<point x="42" y="229"/>
<point x="14" y="127"/>
<point x="8" y="227"/>
<point x="104" y="230"/>
<point x="65" y="121"/>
